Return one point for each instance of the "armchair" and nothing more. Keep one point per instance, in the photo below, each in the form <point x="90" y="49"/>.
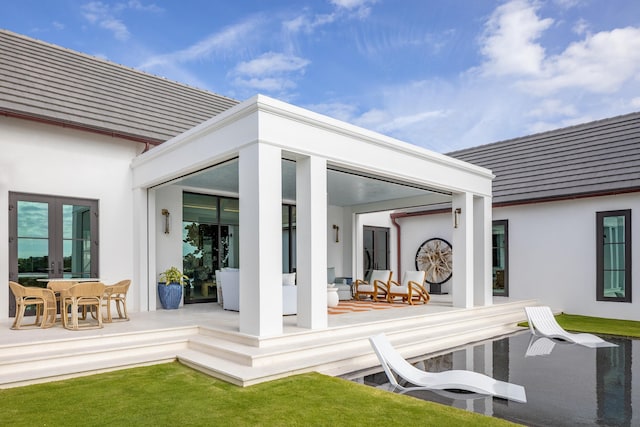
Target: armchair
<point x="43" y="299"/>
<point x="411" y="289"/>
<point x="376" y="287"/>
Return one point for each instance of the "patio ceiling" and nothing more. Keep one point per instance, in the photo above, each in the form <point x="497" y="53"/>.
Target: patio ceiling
<point x="344" y="188"/>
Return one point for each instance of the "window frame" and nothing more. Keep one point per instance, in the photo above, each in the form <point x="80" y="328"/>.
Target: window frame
<point x="600" y="216"/>
<point x="505" y="223"/>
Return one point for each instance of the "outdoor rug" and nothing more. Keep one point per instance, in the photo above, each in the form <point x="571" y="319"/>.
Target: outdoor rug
<point x="354" y="306"/>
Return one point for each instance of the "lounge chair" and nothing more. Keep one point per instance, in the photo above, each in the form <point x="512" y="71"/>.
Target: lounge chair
<point x="543" y="323"/>
<point x="411" y="289"/>
<point x="377" y="286"/>
<point x="469" y="381"/>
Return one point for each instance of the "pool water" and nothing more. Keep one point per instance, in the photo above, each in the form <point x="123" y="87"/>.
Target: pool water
<point x="571" y="386"/>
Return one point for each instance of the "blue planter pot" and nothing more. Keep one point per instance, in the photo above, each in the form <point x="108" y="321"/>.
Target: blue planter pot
<point x="170" y="295"/>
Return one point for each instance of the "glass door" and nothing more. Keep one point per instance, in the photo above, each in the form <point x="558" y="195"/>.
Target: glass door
<point x="376" y="249"/>
<point x="51" y="237"/>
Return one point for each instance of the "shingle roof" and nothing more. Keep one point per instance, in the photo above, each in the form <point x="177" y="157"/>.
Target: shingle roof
<point x="48" y="82"/>
<point x="601" y="157"/>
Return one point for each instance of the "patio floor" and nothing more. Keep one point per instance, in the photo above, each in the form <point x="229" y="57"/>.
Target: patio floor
<point x="206" y="337"/>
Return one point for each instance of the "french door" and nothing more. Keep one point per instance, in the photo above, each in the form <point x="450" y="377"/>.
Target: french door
<point x="375" y="242"/>
<point x="51" y="237"/>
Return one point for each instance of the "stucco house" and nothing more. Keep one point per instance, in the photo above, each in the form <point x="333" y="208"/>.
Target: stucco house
<point x="113" y="173"/>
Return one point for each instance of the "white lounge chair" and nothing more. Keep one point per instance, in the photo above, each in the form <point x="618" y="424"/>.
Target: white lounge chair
<point x="470" y="381"/>
<point x="543" y="323"/>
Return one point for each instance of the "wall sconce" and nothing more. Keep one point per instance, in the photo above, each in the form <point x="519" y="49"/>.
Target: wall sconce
<point x="165" y="213"/>
<point x="456" y="217"/>
<point x="335" y="227"/>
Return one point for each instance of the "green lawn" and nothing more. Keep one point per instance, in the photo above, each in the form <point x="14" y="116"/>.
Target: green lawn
<point x="173" y="394"/>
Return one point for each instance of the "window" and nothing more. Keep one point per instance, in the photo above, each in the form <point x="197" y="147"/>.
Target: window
<point x="613" y="239"/>
<point x="500" y="252"/>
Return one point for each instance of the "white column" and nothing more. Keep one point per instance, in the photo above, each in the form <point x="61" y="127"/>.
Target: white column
<point x="260" y="191"/>
<point x="462" y="287"/>
<point x="4" y="248"/>
<point x="144" y="242"/>
<point x="482" y="275"/>
<point x="311" y="238"/>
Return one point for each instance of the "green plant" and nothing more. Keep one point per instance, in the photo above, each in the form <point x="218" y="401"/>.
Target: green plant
<point x="173" y="275"/>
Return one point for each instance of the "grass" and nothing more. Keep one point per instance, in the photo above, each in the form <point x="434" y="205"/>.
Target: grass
<point x="597" y="325"/>
<point x="173" y="394"/>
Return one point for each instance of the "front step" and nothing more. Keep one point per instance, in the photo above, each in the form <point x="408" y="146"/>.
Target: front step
<point x="339" y="351"/>
<point x="246" y="360"/>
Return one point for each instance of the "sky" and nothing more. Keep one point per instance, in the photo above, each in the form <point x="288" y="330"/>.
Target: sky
<point x="440" y="74"/>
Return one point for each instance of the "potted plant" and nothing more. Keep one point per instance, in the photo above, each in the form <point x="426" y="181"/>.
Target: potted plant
<point x="170" y="288"/>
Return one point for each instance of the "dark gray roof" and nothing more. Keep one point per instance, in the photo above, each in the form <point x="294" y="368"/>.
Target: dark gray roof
<point x="50" y="83"/>
<point x="596" y="158"/>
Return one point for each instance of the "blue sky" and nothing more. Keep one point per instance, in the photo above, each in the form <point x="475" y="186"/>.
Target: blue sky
<point x="442" y="74"/>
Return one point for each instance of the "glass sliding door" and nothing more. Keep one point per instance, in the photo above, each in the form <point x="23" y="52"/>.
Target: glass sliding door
<point x="500" y="256"/>
<point x="51" y="237"/>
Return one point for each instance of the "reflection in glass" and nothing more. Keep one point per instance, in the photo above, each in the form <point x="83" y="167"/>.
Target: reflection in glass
<point x="76" y="241"/>
<point x="499" y="255"/>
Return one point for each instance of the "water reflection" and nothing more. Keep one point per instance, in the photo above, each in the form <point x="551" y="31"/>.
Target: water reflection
<point x="566" y="384"/>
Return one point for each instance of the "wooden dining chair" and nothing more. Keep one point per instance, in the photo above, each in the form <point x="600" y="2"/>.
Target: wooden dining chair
<point x="86" y="295"/>
<point x="43" y="299"/>
<point x="116" y="294"/>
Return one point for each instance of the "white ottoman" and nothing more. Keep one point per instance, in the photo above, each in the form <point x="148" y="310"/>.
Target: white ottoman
<point x="344" y="292"/>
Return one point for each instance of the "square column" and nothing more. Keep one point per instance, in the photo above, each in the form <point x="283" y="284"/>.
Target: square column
<point x="260" y="191"/>
<point x="311" y="254"/>
<point x="482" y="274"/>
<point x="463" y="237"/>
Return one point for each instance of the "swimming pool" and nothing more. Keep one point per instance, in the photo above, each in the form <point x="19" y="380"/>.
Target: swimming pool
<point x="571" y="386"/>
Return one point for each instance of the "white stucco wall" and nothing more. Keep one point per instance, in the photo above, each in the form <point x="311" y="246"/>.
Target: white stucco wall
<point x="416" y="230"/>
<point x="50" y="160"/>
<point x="335" y="250"/>
<point x="552" y="252"/>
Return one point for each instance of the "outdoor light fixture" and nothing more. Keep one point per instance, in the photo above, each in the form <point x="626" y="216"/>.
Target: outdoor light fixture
<point x="165" y="213"/>
<point x="335" y="227"/>
<point x="456" y="217"/>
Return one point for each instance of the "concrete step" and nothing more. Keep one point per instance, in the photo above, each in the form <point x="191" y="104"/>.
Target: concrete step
<point x="246" y="360"/>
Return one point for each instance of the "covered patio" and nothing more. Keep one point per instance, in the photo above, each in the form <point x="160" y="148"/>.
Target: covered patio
<point x="266" y="153"/>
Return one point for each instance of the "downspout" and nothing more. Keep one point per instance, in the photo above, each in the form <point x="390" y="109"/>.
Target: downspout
<point x="396" y="215"/>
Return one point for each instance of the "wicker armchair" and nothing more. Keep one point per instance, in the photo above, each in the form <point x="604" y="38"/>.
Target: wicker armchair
<point x="117" y="294"/>
<point x="376" y="287"/>
<point x="411" y="289"/>
<point x="43" y="299"/>
<point x="87" y="295"/>
<point x="57" y="286"/>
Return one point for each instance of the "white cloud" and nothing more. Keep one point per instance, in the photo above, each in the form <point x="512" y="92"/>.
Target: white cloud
<point x="509" y="40"/>
<point x="358" y="8"/>
<point x="581" y="27"/>
<point x="601" y="63"/>
<point x="272" y="72"/>
<point x="105" y="15"/>
<point x="228" y="39"/>
<point x="272" y="63"/>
